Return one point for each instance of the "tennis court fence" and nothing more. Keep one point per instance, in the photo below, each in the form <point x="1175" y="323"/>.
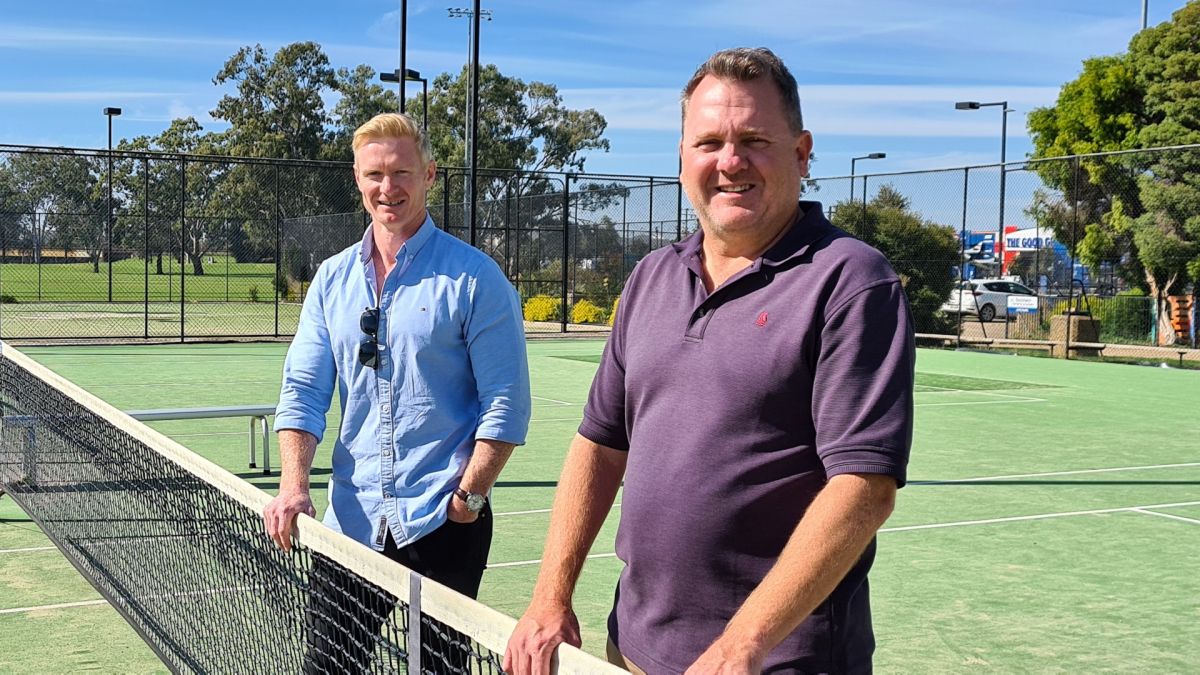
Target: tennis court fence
<point x="200" y="248"/>
<point x="177" y="546"/>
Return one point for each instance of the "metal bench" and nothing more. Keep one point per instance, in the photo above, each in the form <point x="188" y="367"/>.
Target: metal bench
<point x="256" y="413"/>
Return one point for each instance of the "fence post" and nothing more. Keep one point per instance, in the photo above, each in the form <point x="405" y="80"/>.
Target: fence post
<point x="278" y="249"/>
<point x="650" y="220"/>
<point x="1074" y="243"/>
<point x="962" y="254"/>
<point x="146" y="247"/>
<point x="182" y="240"/>
<point x="566" y="245"/>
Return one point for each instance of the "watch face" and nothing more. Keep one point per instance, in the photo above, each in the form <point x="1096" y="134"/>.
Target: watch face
<point x="475" y="502"/>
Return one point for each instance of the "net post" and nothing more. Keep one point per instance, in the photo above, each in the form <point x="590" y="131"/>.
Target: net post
<point x="252" y="464"/>
<point x="414" y="622"/>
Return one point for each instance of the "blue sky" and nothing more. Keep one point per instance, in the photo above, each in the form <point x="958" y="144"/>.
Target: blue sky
<point x="875" y="75"/>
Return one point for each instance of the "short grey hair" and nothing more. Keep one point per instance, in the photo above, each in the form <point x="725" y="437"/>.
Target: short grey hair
<point x="744" y="64"/>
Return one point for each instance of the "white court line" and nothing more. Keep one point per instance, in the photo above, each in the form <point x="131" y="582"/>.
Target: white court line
<point x="64" y="605"/>
<point x="559" y="419"/>
<point x="28" y="550"/>
<point x="1168" y="515"/>
<point x="531" y="511"/>
<point x="961" y="523"/>
<point x="1039" y="516"/>
<point x="1057" y="473"/>
<point x="1013" y="400"/>
<point x="552" y="400"/>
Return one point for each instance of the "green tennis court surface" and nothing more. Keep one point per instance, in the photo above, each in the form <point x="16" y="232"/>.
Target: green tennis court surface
<point x="1051" y="523"/>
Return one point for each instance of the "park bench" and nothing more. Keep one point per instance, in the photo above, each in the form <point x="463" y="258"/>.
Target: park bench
<point x="257" y="413"/>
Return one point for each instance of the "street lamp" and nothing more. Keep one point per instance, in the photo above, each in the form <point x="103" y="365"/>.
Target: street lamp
<point x="1004" y="109"/>
<point x="412" y="76"/>
<point x="873" y="155"/>
<point x="110" y="113"/>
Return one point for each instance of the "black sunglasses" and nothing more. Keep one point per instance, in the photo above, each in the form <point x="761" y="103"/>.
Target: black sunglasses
<point x="368" y="349"/>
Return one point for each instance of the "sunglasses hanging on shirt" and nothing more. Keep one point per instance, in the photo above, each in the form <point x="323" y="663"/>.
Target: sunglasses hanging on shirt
<point x="368" y="349"/>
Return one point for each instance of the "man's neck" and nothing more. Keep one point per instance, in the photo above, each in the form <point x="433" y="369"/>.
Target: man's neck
<point x="387" y="244"/>
<point x="722" y="258"/>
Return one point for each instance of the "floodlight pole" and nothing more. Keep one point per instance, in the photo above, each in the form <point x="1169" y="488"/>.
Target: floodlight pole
<point x="1145" y="12"/>
<point x="976" y="105"/>
<point x="110" y="113"/>
<point x="472" y="126"/>
<point x="403" y="49"/>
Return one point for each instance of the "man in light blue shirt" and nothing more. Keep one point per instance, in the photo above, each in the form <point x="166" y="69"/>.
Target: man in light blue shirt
<point x="422" y="336"/>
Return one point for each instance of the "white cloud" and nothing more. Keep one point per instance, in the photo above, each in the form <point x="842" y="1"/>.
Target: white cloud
<point x="108" y="95"/>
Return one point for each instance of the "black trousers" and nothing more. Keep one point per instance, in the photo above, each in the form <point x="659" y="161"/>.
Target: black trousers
<point x="345" y="614"/>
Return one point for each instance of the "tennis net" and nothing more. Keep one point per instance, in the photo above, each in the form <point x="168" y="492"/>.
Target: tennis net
<point x="176" y="545"/>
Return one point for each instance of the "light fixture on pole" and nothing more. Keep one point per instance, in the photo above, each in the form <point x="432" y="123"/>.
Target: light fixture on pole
<point x="413" y="76"/>
<point x="1004" y="110"/>
<point x="110" y="113"/>
<point x="473" y="15"/>
<point x="873" y="155"/>
<point x="469" y="14"/>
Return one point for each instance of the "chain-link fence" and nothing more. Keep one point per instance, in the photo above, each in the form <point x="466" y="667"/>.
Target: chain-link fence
<point x="1085" y="256"/>
<point x="1076" y="256"/>
<point x="150" y="245"/>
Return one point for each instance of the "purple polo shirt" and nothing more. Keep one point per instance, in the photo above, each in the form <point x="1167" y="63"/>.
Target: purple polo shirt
<point x="736" y="408"/>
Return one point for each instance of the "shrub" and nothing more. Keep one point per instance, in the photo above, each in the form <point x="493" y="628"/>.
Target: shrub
<point x="7" y="299"/>
<point x="1127" y="316"/>
<point x="585" y="311"/>
<point x="253" y="293"/>
<point x="613" y="314"/>
<point x="541" y="308"/>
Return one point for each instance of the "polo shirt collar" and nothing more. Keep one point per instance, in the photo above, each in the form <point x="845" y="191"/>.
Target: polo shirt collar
<point x="413" y="246"/>
<point x="809" y="227"/>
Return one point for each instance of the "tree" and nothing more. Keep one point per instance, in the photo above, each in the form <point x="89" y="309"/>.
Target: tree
<point x="279" y="110"/>
<point x="1139" y="211"/>
<point x="361" y="99"/>
<point x="923" y="253"/>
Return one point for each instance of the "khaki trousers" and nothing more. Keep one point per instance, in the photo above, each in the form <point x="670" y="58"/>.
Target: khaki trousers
<point x="617" y="659"/>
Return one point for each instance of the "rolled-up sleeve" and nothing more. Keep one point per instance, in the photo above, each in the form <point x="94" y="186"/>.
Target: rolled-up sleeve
<point x="309" y="371"/>
<point x="495" y="336"/>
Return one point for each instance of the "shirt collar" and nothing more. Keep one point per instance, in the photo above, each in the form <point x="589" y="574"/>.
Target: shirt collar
<point x="809" y="227"/>
<point x="413" y="246"/>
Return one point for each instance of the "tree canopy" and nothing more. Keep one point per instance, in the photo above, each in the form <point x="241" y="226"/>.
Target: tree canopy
<point x="1139" y="211"/>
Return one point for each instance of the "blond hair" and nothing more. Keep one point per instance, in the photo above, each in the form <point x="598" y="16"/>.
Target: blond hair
<point x="744" y="64"/>
<point x="393" y="125"/>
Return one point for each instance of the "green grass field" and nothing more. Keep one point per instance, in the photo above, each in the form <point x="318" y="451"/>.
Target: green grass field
<point x="224" y="279"/>
<point x="1050" y="524"/>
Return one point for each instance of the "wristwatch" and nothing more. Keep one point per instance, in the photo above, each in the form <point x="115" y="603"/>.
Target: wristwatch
<point x="474" y="500"/>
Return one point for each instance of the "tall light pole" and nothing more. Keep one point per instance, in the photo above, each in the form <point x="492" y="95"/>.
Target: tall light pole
<point x="976" y="105"/>
<point x="403" y="49"/>
<point x="873" y="155"/>
<point x="474" y="15"/>
<point x="1145" y="11"/>
<point x="414" y="76"/>
<point x="469" y="14"/>
<point x="110" y="113"/>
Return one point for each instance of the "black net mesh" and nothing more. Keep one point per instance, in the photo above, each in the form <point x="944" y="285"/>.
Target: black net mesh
<point x="187" y="563"/>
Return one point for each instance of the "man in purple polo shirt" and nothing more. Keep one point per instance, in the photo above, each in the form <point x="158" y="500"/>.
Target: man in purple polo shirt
<point x="756" y="398"/>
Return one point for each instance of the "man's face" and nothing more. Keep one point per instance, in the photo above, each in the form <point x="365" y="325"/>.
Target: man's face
<point x="393" y="181"/>
<point x="742" y="163"/>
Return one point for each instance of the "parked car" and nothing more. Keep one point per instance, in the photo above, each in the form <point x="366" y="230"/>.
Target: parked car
<point x="985" y="298"/>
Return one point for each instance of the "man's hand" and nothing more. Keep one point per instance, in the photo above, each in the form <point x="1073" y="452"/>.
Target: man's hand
<point x="279" y="516"/>
<point x="458" y="512"/>
<point x="537" y="635"/>
<point x="723" y="657"/>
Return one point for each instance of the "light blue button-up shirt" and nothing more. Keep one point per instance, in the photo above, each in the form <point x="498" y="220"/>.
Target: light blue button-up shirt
<point x="452" y="368"/>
